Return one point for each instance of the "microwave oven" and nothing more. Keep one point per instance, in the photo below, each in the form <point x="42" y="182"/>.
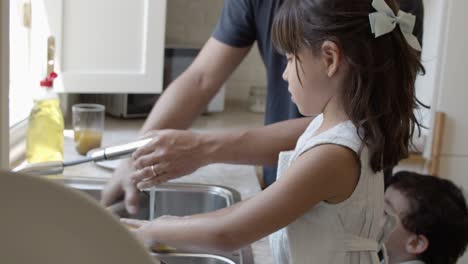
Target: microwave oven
<point x="176" y="61"/>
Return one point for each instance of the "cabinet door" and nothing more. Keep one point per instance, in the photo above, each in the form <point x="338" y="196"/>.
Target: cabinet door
<point x="101" y="46"/>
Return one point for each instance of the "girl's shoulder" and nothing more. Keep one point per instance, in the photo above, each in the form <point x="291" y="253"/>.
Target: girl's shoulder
<point x="344" y="134"/>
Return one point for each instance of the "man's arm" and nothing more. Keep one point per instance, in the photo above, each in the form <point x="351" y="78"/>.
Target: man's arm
<point x="181" y="103"/>
<point x="174" y="153"/>
<point x="186" y="97"/>
<point x="256" y="146"/>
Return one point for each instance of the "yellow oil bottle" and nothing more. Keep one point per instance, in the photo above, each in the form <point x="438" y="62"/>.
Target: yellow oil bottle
<point x="44" y="138"/>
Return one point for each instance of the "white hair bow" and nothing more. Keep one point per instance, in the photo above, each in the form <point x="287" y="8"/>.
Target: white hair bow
<point x="384" y="21"/>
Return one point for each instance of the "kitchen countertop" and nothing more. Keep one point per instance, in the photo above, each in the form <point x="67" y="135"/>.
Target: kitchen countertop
<point x="239" y="177"/>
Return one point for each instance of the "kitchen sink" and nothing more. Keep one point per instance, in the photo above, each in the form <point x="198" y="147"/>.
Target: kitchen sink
<point x="181" y="258"/>
<point x="177" y="199"/>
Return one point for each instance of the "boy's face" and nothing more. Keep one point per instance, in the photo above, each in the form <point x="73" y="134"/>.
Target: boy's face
<point x="397" y="242"/>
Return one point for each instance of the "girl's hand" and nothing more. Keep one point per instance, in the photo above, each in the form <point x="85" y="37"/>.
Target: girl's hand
<point x="133" y="224"/>
<point x="142" y="230"/>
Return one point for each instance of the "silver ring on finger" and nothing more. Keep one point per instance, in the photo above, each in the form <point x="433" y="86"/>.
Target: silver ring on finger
<point x="154" y="171"/>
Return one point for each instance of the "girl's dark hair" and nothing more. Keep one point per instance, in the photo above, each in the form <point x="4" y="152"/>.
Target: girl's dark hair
<point x="380" y="98"/>
<point x="437" y="209"/>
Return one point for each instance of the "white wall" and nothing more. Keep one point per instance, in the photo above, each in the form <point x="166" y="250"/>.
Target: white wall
<point x="452" y="94"/>
<point x="434" y="25"/>
<point x="445" y="85"/>
<point x="4" y="83"/>
<point x="454" y="79"/>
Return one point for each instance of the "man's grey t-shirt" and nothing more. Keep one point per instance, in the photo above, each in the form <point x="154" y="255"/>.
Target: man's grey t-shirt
<point x="242" y="22"/>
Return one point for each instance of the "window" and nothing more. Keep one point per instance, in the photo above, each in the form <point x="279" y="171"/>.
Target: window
<point x="21" y="88"/>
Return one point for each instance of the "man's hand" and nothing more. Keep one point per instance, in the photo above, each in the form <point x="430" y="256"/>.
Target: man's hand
<point x="171" y="154"/>
<point x="120" y="184"/>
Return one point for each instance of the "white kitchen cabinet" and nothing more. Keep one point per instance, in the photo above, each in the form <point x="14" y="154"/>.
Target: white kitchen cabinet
<point x="102" y="46"/>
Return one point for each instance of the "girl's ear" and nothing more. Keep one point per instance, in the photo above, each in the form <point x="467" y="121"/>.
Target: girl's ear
<point x="331" y="56"/>
<point x="417" y="244"/>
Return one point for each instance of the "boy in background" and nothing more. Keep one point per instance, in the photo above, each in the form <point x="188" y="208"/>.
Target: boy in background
<point x="433" y="219"/>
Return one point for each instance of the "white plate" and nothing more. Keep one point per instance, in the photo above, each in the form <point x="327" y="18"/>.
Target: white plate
<point x="71" y="228"/>
<point x="108" y="164"/>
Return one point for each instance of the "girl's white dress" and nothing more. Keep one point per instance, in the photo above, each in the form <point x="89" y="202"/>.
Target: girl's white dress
<point x="348" y="232"/>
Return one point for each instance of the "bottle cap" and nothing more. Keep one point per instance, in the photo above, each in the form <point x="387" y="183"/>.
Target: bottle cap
<point x="48" y="82"/>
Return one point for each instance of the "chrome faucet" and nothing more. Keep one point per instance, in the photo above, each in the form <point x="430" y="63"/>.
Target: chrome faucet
<point x="109" y="153"/>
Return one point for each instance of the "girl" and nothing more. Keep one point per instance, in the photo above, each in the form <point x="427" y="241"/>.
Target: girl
<point x="353" y="65"/>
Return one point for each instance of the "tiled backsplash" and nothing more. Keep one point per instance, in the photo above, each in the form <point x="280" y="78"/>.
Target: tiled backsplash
<point x="191" y="22"/>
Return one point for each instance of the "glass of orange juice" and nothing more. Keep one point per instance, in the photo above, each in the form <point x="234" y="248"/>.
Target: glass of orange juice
<point x="88" y="126"/>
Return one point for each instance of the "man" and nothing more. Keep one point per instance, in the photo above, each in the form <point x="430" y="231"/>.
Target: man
<point x="242" y="22"/>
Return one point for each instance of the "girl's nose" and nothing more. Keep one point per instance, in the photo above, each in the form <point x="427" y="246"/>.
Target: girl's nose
<point x="285" y="74"/>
